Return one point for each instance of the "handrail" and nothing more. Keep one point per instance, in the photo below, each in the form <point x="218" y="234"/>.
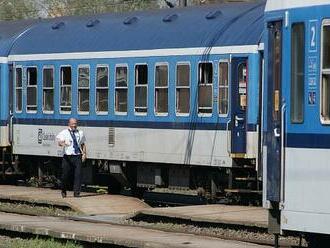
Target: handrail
<point x="228" y="139"/>
<point x="282" y="196"/>
<point x="11" y="128"/>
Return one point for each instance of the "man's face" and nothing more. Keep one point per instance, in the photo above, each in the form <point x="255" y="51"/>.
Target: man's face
<point x="73" y="124"/>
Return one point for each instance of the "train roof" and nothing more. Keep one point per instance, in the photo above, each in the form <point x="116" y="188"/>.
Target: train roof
<point x="10" y="31"/>
<point x="218" y="25"/>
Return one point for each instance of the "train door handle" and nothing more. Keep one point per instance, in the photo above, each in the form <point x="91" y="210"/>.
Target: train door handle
<point x="277" y="132"/>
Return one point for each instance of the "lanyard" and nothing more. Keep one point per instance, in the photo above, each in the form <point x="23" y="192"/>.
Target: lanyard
<point x="75" y="142"/>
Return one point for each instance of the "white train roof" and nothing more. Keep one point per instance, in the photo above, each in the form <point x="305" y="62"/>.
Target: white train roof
<point x="289" y="4"/>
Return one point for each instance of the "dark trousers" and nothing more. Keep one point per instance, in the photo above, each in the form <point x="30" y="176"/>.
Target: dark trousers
<point x="71" y="165"/>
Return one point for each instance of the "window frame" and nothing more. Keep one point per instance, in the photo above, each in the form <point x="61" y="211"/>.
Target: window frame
<point x="84" y="88"/>
<point x="48" y="88"/>
<point x="161" y="87"/>
<point x="228" y="87"/>
<point x="34" y="86"/>
<point x="182" y="87"/>
<point x="324" y="121"/>
<point x="61" y="85"/>
<point x="21" y="88"/>
<point x="127" y="88"/>
<point x="102" y="88"/>
<point x="147" y="86"/>
<point x="212" y="89"/>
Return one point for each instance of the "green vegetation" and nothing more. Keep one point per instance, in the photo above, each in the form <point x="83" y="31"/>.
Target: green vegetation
<point x="35" y="243"/>
<point x="23" y="9"/>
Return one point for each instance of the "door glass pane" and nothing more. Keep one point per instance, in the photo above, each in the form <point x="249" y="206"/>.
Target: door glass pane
<point x="326" y="47"/>
<point x="297" y="72"/>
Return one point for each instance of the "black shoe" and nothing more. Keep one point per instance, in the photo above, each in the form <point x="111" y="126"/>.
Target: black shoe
<point x="63" y="193"/>
<point x="76" y="194"/>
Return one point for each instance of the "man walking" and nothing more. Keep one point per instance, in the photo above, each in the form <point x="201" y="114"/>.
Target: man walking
<point x="74" y="149"/>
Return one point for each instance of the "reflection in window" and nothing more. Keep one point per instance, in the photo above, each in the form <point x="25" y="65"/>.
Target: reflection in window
<point x="161" y="89"/>
<point x="205" y="81"/>
<point x="48" y="89"/>
<point x="121" y="89"/>
<point x="223" y="88"/>
<point x="102" y="88"/>
<point x="242" y="85"/>
<point x="66" y="82"/>
<point x="141" y="88"/>
<point x="183" y="88"/>
<point x="31" y="104"/>
<point x="297" y="72"/>
<point x="325" y="84"/>
<point x="19" y="88"/>
<point x="83" y="89"/>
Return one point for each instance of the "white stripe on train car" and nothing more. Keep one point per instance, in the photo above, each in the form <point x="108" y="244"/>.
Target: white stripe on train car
<point x="138" y="53"/>
<point x="290" y="4"/>
<point x="3" y="60"/>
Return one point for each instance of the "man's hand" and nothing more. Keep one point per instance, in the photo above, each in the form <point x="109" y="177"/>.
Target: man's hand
<point x="61" y="143"/>
<point x="83" y="157"/>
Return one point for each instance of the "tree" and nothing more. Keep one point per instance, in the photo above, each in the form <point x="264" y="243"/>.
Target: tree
<point x="84" y="7"/>
<point x="18" y="9"/>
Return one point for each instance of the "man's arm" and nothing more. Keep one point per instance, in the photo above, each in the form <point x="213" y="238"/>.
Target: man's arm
<point x="84" y="149"/>
<point x="60" y="139"/>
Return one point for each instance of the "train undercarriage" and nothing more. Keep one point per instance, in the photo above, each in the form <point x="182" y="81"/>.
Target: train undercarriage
<point x="158" y="183"/>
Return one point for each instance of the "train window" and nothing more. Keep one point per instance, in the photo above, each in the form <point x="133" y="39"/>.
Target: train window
<point x="102" y="89"/>
<point x="31" y="103"/>
<point x="66" y="83"/>
<point x="83" y="89"/>
<point x="297" y="72"/>
<point x="242" y="85"/>
<point x="141" y="88"/>
<point x="183" y="88"/>
<point x="48" y="89"/>
<point x="205" y="82"/>
<point x="326" y="46"/>
<point x="19" y="88"/>
<point x="325" y="83"/>
<point x="121" y="89"/>
<point x="161" y="89"/>
<point x="223" y="88"/>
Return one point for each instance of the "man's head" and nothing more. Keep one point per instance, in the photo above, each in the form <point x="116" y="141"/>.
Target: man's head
<point x="73" y="123"/>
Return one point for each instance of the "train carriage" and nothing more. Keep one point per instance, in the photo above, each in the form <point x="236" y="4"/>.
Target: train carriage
<point x="166" y="98"/>
<point x="9" y="33"/>
<point x="296" y="117"/>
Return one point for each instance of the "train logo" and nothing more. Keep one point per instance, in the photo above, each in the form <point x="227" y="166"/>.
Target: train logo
<point x="44" y="137"/>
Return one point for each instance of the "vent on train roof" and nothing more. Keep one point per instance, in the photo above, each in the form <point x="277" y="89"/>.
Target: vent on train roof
<point x="92" y="23"/>
<point x="170" y="18"/>
<point x="213" y="14"/>
<point x="58" y="25"/>
<point x="130" y="20"/>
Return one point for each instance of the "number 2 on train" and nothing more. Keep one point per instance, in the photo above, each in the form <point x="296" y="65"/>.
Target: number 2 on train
<point x="312" y="36"/>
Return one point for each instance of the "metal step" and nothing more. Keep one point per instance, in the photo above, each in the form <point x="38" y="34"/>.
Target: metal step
<point x="246" y="179"/>
<point x="243" y="191"/>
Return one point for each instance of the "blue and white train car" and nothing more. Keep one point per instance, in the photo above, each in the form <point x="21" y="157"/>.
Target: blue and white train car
<point x="297" y="115"/>
<point x="152" y="90"/>
<point x="9" y="32"/>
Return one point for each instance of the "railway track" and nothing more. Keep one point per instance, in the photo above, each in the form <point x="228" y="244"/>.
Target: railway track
<point x="229" y="232"/>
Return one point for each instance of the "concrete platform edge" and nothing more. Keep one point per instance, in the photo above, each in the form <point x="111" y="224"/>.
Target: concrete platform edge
<point x="79" y="237"/>
<point x="198" y="219"/>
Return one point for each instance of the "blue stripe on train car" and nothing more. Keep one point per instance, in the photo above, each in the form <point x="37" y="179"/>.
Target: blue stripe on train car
<point x="131" y="124"/>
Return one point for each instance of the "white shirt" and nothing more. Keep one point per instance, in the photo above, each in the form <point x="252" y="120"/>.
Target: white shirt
<point x="66" y="137"/>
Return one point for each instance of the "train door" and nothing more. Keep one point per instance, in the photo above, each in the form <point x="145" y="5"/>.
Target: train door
<point x="238" y="106"/>
<point x="274" y="105"/>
